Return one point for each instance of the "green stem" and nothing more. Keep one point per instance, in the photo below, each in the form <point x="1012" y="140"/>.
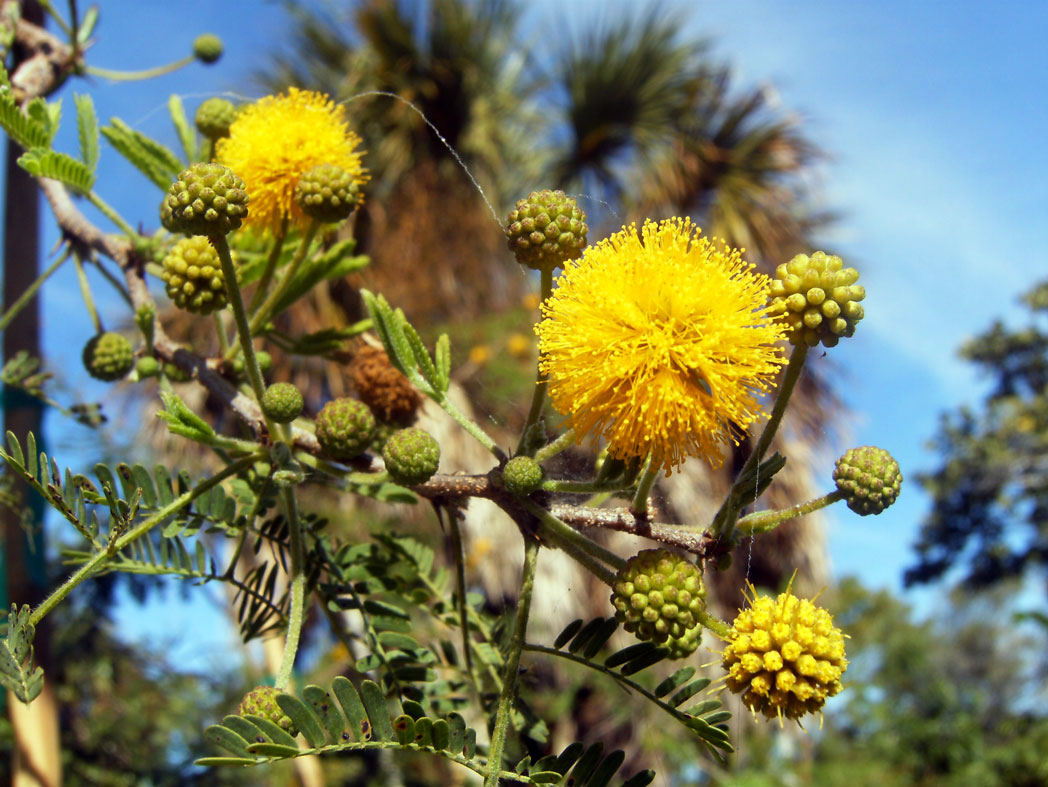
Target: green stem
<point x="223" y="334"/>
<point x="460" y="583"/>
<point x="236" y="303"/>
<point x="111" y="214"/>
<point x="639" y="506"/>
<point x="549" y="450"/>
<point x="538" y="396"/>
<point x="763" y="521"/>
<point x="271" y="267"/>
<point x="560" y="533"/>
<point x="30" y="291"/>
<point x="471" y="426"/>
<point x="509" y="680"/>
<point x="581" y="487"/>
<point x="724" y="522"/>
<point x="85" y="293"/>
<point x="117" y="284"/>
<point x="135" y="533"/>
<point x="134" y="76"/>
<point x="298" y="589"/>
<point x="262" y="314"/>
<point x="714" y="624"/>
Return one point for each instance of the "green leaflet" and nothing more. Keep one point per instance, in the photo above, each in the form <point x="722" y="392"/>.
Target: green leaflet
<point x="148" y="156"/>
<point x="42" y="163"/>
<point x="87" y="130"/>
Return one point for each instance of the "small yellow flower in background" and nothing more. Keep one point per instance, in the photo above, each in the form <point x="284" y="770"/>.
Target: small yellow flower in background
<point x="660" y="342"/>
<point x="784" y="656"/>
<point x="274" y="141"/>
<point x="531" y="301"/>
<point x="519" y="345"/>
<point x="479" y="354"/>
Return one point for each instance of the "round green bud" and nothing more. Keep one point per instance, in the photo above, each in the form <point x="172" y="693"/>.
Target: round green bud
<point x="870" y="479"/>
<point x="265" y="361"/>
<point x="546" y="229"/>
<point x="411" y="456"/>
<point x="819" y="298"/>
<point x="108" y="356"/>
<point x="207" y="48"/>
<point x="282" y="402"/>
<point x="207" y="199"/>
<point x="261" y="701"/>
<point x="214" y="117"/>
<point x="345" y="428"/>
<point x="175" y="373"/>
<point x="193" y="276"/>
<point x="327" y="193"/>
<point x="147" y="367"/>
<point x="522" y="475"/>
<point x="383" y="431"/>
<point x="658" y="596"/>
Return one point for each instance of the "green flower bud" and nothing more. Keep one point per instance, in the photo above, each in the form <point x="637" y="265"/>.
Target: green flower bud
<point x="282" y="403"/>
<point x="147" y="367"/>
<point x="214" y="117"/>
<point x="819" y="298"/>
<point x="658" y="596"/>
<point x="546" y="229"/>
<point x="108" y="356"/>
<point x="193" y="276"/>
<point x="207" y="48"/>
<point x="345" y="428"/>
<point x="869" y="478"/>
<point x="522" y="475"/>
<point x="327" y="193"/>
<point x="261" y="701"/>
<point x="411" y="456"/>
<point x="207" y="199"/>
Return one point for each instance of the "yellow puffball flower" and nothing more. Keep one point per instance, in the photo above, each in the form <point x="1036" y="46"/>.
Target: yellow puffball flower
<point x="276" y="140"/>
<point x="784" y="656"/>
<point x="519" y="345"/>
<point x="661" y="342"/>
<point x="480" y="354"/>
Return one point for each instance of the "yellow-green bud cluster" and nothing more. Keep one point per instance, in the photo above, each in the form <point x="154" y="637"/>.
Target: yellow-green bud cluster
<point x="214" y="117"/>
<point x="784" y="656"/>
<point x="870" y="479"/>
<point x="261" y="701"/>
<point x="345" y="428"/>
<point x="819" y="298"/>
<point x="193" y="276"/>
<point x="207" y="48"/>
<point x="207" y="199"/>
<point x="327" y="193"/>
<point x="282" y="403"/>
<point x="659" y="596"/>
<point x="546" y="229"/>
<point x="522" y="475"/>
<point x="108" y="356"/>
<point x="411" y="456"/>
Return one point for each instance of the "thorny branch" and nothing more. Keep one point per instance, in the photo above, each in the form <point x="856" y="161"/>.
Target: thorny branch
<point x="52" y="62"/>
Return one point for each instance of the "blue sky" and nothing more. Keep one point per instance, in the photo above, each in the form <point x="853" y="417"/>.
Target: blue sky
<point x="933" y="116"/>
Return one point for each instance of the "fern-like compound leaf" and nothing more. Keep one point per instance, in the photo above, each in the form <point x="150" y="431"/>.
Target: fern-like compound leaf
<point x="17" y="674"/>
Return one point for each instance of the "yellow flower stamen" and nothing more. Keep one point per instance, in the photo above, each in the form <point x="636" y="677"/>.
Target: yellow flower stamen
<point x="276" y="140"/>
<point x="661" y="342"/>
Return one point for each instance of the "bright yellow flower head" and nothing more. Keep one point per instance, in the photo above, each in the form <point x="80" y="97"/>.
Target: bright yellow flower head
<point x="784" y="656"/>
<point x="660" y="342"/>
<point x="274" y="141"/>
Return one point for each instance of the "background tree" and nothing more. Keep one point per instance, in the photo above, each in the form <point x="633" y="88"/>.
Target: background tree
<point x="989" y="514"/>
